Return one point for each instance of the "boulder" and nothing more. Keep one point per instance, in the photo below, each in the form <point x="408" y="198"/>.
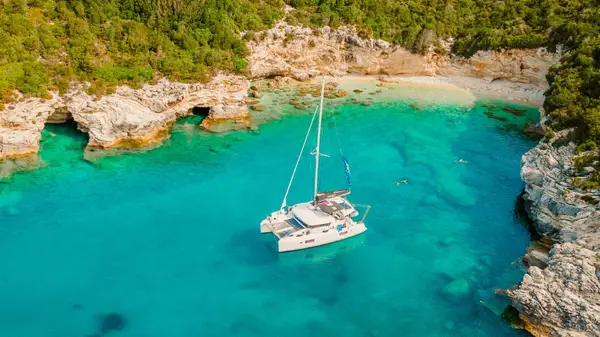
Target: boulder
<point x="257" y="107"/>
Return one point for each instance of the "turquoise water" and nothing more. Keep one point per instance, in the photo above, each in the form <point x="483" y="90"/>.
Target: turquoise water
<point x="169" y="238"/>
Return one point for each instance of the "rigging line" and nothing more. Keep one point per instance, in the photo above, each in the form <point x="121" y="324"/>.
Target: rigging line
<point x="337" y="134"/>
<point x="298" y="161"/>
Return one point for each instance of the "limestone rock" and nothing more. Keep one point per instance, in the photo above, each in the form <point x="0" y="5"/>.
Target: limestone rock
<point x="129" y="118"/>
<point x="21" y="125"/>
<point x="340" y="51"/>
<point x="515" y="65"/>
<point x="535" y="130"/>
<point x="562" y="299"/>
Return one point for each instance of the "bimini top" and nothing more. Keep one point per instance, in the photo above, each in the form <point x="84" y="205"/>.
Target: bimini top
<point x="331" y="194"/>
<point x="310" y="216"/>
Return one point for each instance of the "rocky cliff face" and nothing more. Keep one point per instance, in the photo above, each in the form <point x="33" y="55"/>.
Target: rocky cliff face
<point x="21" y="125"/>
<point x="301" y="52"/>
<point x="126" y="119"/>
<point x="562" y="299"/>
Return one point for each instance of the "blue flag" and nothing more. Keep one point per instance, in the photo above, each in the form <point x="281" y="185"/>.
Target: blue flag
<point x="347" y="168"/>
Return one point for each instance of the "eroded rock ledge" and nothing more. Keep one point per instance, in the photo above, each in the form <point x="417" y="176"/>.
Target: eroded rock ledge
<point x="562" y="299"/>
<point x="126" y="119"/>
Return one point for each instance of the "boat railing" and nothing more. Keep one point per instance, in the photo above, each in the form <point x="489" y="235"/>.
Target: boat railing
<point x="367" y="209"/>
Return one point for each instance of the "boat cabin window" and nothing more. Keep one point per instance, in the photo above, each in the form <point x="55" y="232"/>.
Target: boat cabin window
<point x="297" y="223"/>
<point x="345" y="205"/>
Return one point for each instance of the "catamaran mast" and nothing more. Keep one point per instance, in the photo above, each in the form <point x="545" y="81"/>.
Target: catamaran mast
<point x="317" y="150"/>
<point x="287" y="191"/>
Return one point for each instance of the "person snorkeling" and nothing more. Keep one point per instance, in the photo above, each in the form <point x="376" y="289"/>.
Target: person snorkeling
<point x="404" y="181"/>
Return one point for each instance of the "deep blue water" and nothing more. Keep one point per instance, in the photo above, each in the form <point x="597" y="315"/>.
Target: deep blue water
<point x="170" y="239"/>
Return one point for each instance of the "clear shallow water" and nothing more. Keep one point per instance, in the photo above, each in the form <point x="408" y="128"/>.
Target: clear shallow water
<point x="169" y="238"/>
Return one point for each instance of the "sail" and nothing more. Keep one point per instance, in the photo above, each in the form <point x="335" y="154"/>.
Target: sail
<point x="347" y="168"/>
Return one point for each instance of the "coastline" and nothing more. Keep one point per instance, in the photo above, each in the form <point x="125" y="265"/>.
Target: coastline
<point x="522" y="93"/>
<point x="131" y="121"/>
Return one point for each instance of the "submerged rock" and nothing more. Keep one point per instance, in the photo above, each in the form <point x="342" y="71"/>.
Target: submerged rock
<point x="491" y="115"/>
<point x="516" y="112"/>
<point x="300" y="106"/>
<point x="456" y="290"/>
<point x="341" y="93"/>
<point x="535" y="130"/>
<point x="112" y="322"/>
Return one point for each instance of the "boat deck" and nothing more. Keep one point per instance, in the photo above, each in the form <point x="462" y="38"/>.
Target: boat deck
<point x="286" y="228"/>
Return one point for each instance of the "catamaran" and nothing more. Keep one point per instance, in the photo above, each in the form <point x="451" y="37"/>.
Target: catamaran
<point x="328" y="218"/>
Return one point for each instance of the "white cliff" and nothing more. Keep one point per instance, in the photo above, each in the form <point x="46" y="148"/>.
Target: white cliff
<point x="562" y="299"/>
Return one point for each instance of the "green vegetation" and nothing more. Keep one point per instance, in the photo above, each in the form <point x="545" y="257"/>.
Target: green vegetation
<point x="48" y="43"/>
<point x="476" y="24"/>
<point x="589" y="199"/>
<point x="587" y="160"/>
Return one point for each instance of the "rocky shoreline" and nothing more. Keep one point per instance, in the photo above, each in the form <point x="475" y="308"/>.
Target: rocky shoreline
<point x="129" y="118"/>
<point x="560" y="294"/>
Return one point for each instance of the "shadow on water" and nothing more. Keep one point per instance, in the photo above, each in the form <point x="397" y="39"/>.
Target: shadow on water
<point x="62" y="144"/>
<point x="66" y="129"/>
<point x="521" y="216"/>
<point x="201" y="111"/>
<point x="317" y="255"/>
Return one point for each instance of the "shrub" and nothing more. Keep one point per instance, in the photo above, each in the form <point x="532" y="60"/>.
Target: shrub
<point x="589" y="199"/>
<point x="587" y="145"/>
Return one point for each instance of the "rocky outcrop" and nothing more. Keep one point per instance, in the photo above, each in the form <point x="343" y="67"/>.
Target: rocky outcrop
<point x="301" y="53"/>
<point x="140" y="118"/>
<point x="21" y="125"/>
<point x="129" y="118"/>
<point x="515" y="65"/>
<point x="562" y="299"/>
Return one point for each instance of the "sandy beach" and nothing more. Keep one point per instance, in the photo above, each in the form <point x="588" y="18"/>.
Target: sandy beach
<point x="452" y="88"/>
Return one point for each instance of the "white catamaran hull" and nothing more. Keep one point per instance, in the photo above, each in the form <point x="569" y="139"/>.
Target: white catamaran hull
<point x="308" y="241"/>
<point x="293" y="232"/>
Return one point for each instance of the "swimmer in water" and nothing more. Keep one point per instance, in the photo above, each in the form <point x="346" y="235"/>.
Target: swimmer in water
<point x="462" y="161"/>
<point x="404" y="181"/>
